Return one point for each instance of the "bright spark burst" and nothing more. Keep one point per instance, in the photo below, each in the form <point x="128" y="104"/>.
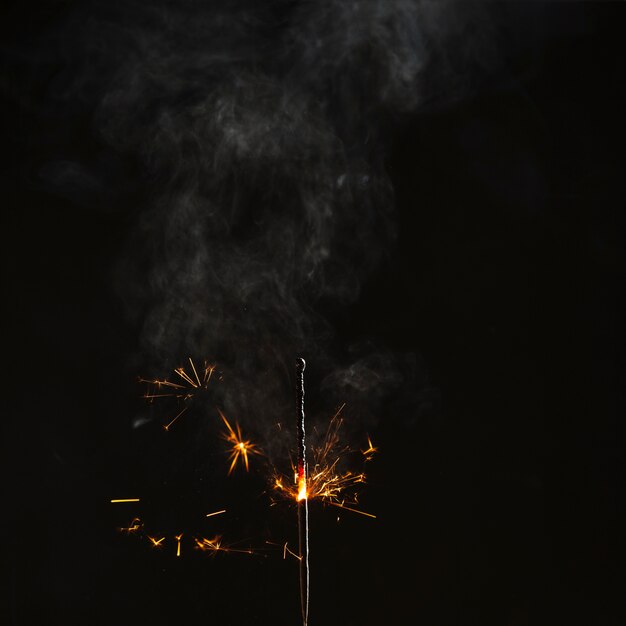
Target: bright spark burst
<point x="187" y="384"/>
<point x="325" y="480"/>
<point x="241" y="448"/>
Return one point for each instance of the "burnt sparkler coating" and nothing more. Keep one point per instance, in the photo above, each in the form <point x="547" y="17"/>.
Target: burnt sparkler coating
<point x="300" y="365"/>
<point x="303" y="509"/>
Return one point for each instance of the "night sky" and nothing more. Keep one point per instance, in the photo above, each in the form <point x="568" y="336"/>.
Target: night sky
<point x="427" y="205"/>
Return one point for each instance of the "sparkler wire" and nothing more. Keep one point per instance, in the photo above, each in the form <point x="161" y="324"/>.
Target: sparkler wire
<point x="303" y="508"/>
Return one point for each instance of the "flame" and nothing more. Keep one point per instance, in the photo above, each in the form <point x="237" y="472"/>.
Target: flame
<point x="301" y="480"/>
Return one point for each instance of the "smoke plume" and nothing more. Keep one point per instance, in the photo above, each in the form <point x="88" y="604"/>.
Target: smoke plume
<point x="258" y="133"/>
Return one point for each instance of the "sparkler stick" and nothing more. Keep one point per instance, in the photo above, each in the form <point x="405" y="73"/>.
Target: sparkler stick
<point x="303" y="507"/>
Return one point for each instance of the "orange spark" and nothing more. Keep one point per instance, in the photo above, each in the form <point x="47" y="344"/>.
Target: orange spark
<point x="178" y="538"/>
<point x="167" y="426"/>
<point x="134" y="526"/>
<point x="156" y="543"/>
<point x="240" y="448"/>
<point x="209" y="545"/>
<point x="287" y="550"/>
<point x="216" y="513"/>
<point x="348" y="508"/>
<point x="215" y="545"/>
<point x="326" y="481"/>
<point x="370" y="450"/>
<point x="125" y="500"/>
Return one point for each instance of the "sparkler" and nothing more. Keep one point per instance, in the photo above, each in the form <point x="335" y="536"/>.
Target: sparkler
<point x="328" y="478"/>
<point x="302" y="495"/>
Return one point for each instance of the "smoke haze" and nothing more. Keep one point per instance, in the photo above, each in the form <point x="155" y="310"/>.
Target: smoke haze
<point x="258" y="133"/>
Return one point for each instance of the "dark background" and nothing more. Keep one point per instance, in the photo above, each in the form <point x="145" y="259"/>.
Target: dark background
<point x="500" y="504"/>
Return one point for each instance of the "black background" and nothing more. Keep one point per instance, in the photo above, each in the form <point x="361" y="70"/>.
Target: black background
<point x="500" y="505"/>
